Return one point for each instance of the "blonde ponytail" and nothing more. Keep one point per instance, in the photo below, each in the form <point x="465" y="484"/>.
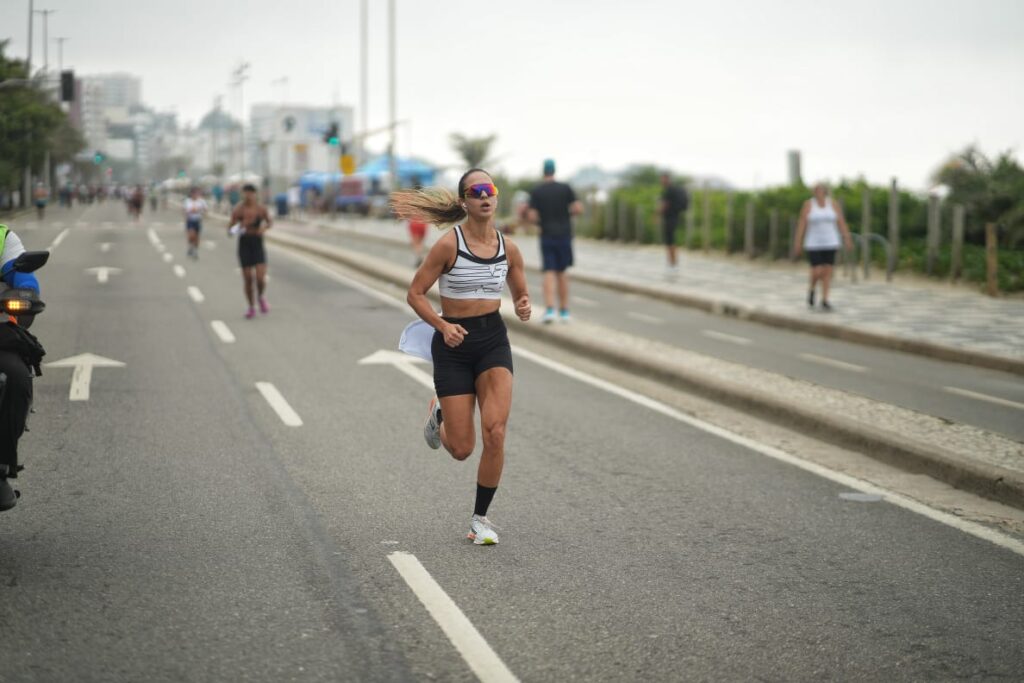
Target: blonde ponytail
<point x="436" y="205"/>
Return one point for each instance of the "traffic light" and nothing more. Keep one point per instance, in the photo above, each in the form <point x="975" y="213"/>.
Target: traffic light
<point x="97" y="158"/>
<point x="67" y="86"/>
<point x="331" y="137"/>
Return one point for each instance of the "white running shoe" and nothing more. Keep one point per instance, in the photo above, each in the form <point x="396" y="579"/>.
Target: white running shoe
<point x="549" y="316"/>
<point x="564" y="316"/>
<point x="432" y="427"/>
<point x="481" y="531"/>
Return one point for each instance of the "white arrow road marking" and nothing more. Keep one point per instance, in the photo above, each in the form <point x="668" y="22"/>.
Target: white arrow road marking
<point x="179" y="269"/>
<point x="196" y="295"/>
<point x="168" y="257"/>
<point x="222" y="331"/>
<point x="105" y="246"/>
<point x="103" y="273"/>
<point x="58" y="239"/>
<point x="280" y="406"/>
<point x="985" y="397"/>
<point x="82" y="375"/>
<point x="210" y="245"/>
<point x="483" y="660"/>
<point x="401" y="361"/>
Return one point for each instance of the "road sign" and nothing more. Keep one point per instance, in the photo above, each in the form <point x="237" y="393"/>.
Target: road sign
<point x="347" y="164"/>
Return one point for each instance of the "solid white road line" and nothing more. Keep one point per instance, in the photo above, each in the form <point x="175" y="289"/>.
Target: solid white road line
<point x="644" y="318"/>
<point x="196" y="295"/>
<point x="168" y="257"/>
<point x="897" y="499"/>
<point x="722" y="336"/>
<point x="222" y="331"/>
<point x="484" y="661"/>
<point x="280" y="406"/>
<point x="832" y="362"/>
<point x="583" y="301"/>
<point x="179" y="270"/>
<point x="976" y="530"/>
<point x="985" y="397"/>
<point x="58" y="239"/>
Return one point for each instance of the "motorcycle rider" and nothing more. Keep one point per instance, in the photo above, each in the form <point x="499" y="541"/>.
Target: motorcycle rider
<point x="15" y="364"/>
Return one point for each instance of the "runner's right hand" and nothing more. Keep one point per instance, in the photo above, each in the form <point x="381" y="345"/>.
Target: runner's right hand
<point x="453" y="334"/>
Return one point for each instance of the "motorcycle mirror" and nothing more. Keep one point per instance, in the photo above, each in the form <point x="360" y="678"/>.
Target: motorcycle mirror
<point x="31" y="261"/>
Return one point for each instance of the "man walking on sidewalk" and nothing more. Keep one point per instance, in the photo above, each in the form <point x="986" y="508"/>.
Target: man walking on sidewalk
<point x="552" y="205"/>
<point x="673" y="203"/>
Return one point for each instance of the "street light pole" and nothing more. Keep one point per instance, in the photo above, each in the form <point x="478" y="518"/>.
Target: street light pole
<point x="392" y="164"/>
<point x="60" y="52"/>
<point x="27" y="180"/>
<point x="241" y="75"/>
<point x="46" y="46"/>
<point x="364" y="104"/>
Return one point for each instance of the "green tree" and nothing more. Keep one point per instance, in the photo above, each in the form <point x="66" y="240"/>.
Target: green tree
<point x="992" y="191"/>
<point x="474" y="151"/>
<point x="30" y="125"/>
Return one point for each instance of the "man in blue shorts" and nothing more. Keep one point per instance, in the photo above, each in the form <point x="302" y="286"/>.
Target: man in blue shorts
<point x="552" y="206"/>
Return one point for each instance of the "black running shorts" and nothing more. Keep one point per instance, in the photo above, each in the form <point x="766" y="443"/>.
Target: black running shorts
<point x="485" y="346"/>
<point x="821" y="257"/>
<point x="250" y="250"/>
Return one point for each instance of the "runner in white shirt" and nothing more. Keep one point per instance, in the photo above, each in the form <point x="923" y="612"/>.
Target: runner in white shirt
<point x="195" y="208"/>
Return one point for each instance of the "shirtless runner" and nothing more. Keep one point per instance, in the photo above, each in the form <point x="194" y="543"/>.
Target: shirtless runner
<point x="254" y="220"/>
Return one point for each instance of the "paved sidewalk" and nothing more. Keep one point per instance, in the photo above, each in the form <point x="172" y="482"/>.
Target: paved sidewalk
<point x="933" y="313"/>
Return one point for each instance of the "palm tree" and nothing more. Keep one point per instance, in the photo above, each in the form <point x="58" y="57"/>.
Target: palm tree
<point x="474" y="151"/>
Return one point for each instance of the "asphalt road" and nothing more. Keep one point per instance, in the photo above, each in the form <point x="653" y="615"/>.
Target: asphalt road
<point x="173" y="527"/>
<point x="988" y="399"/>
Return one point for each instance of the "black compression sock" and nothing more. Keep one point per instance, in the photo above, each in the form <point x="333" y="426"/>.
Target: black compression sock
<point x="484" y="495"/>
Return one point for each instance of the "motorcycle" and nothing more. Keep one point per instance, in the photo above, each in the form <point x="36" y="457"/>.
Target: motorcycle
<point x="21" y="306"/>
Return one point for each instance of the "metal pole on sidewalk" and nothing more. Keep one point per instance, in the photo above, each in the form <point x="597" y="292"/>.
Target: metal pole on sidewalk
<point x="894" y="226"/>
<point x="393" y="165"/>
<point x="773" y="234"/>
<point x="748" y="229"/>
<point x="956" y="257"/>
<point x="27" y="183"/>
<point x="991" y="260"/>
<point x="728" y="222"/>
<point x="932" y="240"/>
<point x="706" y="227"/>
<point x="364" y="103"/>
<point x="865" y="229"/>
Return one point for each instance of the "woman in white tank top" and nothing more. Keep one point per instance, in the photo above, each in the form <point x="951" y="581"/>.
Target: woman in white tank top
<point x="469" y="345"/>
<point x="818" y="233"/>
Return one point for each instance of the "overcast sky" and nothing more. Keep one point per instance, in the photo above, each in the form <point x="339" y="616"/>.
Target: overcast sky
<point x="875" y="87"/>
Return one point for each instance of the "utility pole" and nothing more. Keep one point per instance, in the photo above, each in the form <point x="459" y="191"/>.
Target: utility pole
<point x="393" y="165"/>
<point x="364" y="104"/>
<point x="27" y="181"/>
<point x="241" y="75"/>
<point x="46" y="43"/>
<point x="213" y="135"/>
<point x="60" y="52"/>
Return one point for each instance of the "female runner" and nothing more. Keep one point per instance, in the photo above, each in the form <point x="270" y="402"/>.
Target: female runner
<point x="470" y="347"/>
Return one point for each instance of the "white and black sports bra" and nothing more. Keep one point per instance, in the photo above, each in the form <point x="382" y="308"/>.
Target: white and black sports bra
<point x="472" y="277"/>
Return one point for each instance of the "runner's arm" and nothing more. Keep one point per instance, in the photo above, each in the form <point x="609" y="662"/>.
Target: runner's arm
<point x="429" y="271"/>
<point x="841" y="221"/>
<point x="517" y="280"/>
<point x="801" y="227"/>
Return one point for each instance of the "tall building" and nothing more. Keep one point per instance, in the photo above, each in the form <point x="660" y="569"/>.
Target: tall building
<point x="286" y="140"/>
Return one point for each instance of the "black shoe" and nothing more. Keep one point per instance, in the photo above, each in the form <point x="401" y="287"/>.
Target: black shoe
<point x="8" y="496"/>
<point x="810" y="298"/>
<point x="825" y="306"/>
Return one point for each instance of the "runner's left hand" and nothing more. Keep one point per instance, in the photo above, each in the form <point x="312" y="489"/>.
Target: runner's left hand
<point x="523" y="307"/>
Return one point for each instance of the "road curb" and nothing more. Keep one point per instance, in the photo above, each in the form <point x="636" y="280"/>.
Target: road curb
<point x="728" y="308"/>
<point x="995" y="483"/>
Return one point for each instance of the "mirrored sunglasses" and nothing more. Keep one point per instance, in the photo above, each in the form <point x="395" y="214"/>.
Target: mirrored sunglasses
<point x="481" y="190"/>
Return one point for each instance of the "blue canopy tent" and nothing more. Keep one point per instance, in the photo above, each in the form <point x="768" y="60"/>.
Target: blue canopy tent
<point x="410" y="171"/>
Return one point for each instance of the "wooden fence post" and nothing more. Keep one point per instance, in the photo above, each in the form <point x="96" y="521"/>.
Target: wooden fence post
<point x="706" y="227"/>
<point x="773" y="234"/>
<point x="728" y="223"/>
<point x="865" y="230"/>
<point x="956" y="260"/>
<point x="748" y="230"/>
<point x="894" y="226"/>
<point x="991" y="260"/>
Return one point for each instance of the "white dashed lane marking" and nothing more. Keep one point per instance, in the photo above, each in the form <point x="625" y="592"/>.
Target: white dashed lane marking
<point x="222" y="331"/>
<point x="985" y="397"/>
<point x="196" y="295"/>
<point x="833" y="363"/>
<point x="722" y="336"/>
<point x="179" y="270"/>
<point x="280" y="406"/>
